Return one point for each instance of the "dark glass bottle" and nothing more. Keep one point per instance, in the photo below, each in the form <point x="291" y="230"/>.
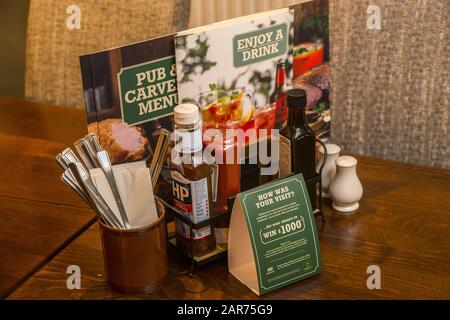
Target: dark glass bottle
<point x="298" y="142"/>
<point x="278" y="96"/>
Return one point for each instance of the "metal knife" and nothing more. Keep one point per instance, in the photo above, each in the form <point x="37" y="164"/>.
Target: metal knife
<point x="92" y="139"/>
<point x="68" y="179"/>
<point x="105" y="164"/>
<point x="88" y="185"/>
<point x="87" y="155"/>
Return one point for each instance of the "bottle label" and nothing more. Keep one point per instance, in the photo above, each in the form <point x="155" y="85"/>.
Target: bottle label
<point x="191" y="197"/>
<point x="285" y="156"/>
<point x="188" y="141"/>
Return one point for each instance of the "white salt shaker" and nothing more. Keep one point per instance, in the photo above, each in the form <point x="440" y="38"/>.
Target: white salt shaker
<point x="346" y="190"/>
<point x="329" y="170"/>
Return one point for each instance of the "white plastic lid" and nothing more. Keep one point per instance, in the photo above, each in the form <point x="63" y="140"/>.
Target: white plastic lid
<point x="186" y="114"/>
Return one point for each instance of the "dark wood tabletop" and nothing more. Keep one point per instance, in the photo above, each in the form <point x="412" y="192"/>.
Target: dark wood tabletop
<point x="38" y="214"/>
<point x="402" y="226"/>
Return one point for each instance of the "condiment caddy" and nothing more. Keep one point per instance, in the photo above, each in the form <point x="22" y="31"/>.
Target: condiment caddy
<point x="191" y="190"/>
<point x="195" y="221"/>
<point x="220" y="251"/>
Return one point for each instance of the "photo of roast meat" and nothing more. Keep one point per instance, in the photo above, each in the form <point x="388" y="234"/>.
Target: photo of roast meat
<point x="122" y="142"/>
<point x="314" y="82"/>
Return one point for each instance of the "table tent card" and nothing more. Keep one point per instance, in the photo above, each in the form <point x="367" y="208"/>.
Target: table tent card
<point x="273" y="239"/>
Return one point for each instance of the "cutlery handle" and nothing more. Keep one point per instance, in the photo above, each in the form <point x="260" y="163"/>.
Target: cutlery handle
<point x="105" y="164"/>
<point x="92" y="139"/>
<point x="108" y="213"/>
<point x="71" y="182"/>
<point x="89" y="188"/>
<point x="86" y="153"/>
<point x="159" y="156"/>
<point x="115" y="190"/>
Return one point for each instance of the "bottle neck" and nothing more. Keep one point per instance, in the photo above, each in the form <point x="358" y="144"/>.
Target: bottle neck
<point x="188" y="139"/>
<point x="297" y="117"/>
<point x="280" y="77"/>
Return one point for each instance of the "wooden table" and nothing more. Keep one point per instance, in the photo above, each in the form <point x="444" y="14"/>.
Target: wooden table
<point x="38" y="214"/>
<point x="403" y="226"/>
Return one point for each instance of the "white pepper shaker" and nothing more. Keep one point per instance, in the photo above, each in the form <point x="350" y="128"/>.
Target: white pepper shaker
<point x="346" y="190"/>
<point x="329" y="170"/>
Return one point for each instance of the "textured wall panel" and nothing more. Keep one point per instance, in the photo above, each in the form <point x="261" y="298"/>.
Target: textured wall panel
<point x="52" y="66"/>
<point x="391" y="92"/>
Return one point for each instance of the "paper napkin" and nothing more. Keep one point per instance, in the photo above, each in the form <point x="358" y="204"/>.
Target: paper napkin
<point x="135" y="189"/>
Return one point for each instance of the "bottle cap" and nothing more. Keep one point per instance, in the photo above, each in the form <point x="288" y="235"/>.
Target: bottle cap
<point x="296" y="98"/>
<point x="186" y="114"/>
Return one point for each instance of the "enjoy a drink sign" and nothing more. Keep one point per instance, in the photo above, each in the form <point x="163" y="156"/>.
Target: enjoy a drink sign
<point x="273" y="238"/>
<point x="260" y="45"/>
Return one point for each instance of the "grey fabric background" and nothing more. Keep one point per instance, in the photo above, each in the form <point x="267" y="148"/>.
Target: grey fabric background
<point x="52" y="72"/>
<point x="391" y="91"/>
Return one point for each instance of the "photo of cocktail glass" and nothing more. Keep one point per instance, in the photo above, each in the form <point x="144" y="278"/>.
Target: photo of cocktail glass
<point x="265" y="117"/>
<point x="225" y="109"/>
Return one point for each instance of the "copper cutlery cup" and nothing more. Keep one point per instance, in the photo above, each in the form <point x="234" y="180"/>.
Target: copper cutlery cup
<point x="136" y="259"/>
